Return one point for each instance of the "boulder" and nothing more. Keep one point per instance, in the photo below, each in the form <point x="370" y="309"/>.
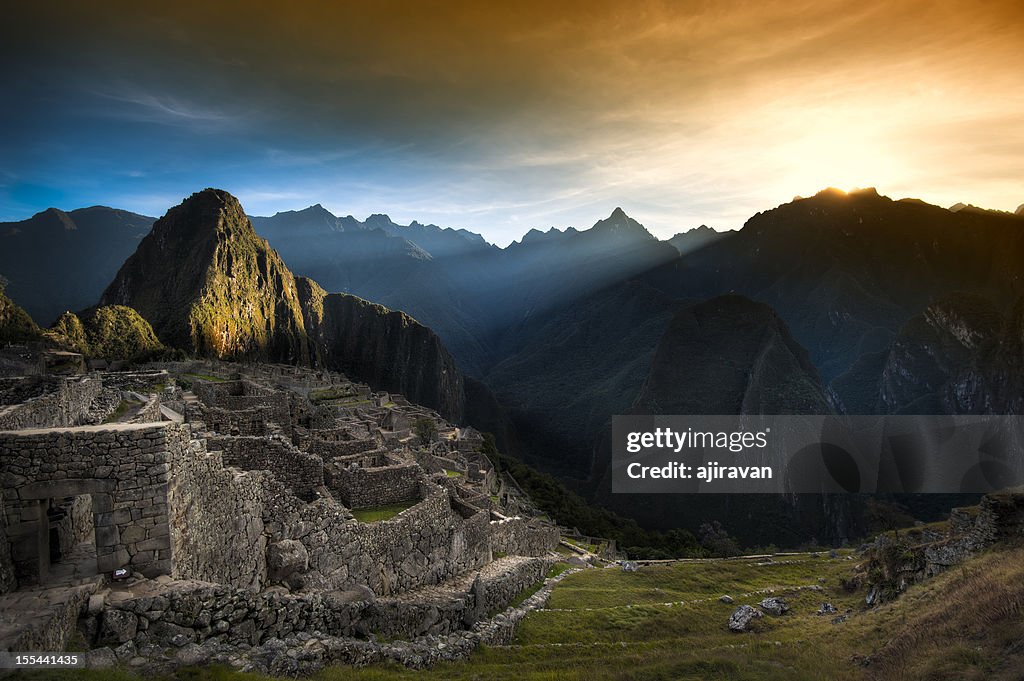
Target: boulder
<point x="118" y="626"/>
<point x="354" y="594"/>
<point x="285" y="559"/>
<point x="826" y="609"/>
<point x="727" y="599"/>
<point x="742" y="617"/>
<point x="190" y="654"/>
<point x="774" y="605"/>
<point x="629" y="566"/>
<point x="100" y="658"/>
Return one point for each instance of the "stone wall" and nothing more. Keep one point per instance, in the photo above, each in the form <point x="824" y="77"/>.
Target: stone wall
<point x="301" y="472"/>
<point x="250" y="422"/>
<point x="329" y="449"/>
<point x="66" y="404"/>
<point x="149" y="412"/>
<point x="124" y="469"/>
<point x="425" y="544"/>
<point x="7" y="579"/>
<point x="275" y="406"/>
<point x="521" y="537"/>
<point x="503" y="583"/>
<point x="139" y="381"/>
<point x="216" y="517"/>
<point x="896" y="563"/>
<point x="448" y="610"/>
<point x="192" y="612"/>
<point x="361" y="487"/>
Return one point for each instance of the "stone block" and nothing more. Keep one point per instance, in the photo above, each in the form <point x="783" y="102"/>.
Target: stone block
<point x="118" y="626"/>
<point x="154" y="544"/>
<point x="107" y="535"/>
<point x="131" y="534"/>
<point x="112" y="561"/>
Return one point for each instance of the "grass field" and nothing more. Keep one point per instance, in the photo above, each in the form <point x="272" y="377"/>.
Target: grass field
<point x="378" y="513"/>
<point x="666" y="622"/>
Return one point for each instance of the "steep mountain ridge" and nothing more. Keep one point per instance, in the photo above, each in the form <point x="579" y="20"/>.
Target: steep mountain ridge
<point x="209" y="285"/>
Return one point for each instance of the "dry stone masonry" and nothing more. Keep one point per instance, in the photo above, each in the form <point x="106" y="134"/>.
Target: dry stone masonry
<point x="202" y="511"/>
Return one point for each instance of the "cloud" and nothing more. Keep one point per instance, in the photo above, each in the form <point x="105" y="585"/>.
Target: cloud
<point x="501" y="116"/>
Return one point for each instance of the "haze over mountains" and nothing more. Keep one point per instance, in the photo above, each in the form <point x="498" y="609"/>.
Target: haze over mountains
<point x="849" y="303"/>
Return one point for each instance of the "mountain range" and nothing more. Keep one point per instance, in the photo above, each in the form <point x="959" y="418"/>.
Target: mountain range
<point x="844" y="303"/>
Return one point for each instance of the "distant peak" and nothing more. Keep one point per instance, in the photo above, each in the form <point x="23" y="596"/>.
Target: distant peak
<point x="1020" y="210"/>
<point x="317" y="209"/>
<point x="60" y="217"/>
<point x="620" y="223"/>
<point x="378" y="221"/>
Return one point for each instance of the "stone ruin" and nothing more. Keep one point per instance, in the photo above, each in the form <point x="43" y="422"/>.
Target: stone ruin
<point x="209" y="512"/>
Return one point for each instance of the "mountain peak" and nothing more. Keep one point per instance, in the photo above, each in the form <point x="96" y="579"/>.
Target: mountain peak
<point x="621" y="224"/>
<point x="58" y="217"/>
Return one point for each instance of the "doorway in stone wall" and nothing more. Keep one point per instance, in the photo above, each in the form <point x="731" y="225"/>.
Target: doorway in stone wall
<point x="70" y="547"/>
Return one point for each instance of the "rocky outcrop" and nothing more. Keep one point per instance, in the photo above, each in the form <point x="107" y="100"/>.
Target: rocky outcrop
<point x="896" y="562"/>
<point x="961" y="355"/>
<point x="743" y="617"/>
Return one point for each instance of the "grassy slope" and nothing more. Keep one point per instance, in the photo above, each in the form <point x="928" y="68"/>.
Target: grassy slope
<point x="665" y="622"/>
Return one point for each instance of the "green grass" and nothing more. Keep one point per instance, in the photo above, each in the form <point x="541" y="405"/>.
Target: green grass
<point x="207" y="377"/>
<point x="452" y="474"/>
<point x="379" y="513"/>
<point x="593" y="548"/>
<point x="123" y="408"/>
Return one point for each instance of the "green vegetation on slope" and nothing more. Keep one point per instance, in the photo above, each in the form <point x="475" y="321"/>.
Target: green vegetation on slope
<point x="15" y="324"/>
<point x="111" y="332"/>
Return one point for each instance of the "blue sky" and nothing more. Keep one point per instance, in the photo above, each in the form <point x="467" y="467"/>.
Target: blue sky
<point x="502" y="118"/>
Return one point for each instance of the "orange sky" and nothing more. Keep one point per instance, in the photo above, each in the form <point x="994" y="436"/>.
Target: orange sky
<point x="501" y="117"/>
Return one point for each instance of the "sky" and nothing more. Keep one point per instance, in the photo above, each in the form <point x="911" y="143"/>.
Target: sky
<point x="501" y="117"/>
